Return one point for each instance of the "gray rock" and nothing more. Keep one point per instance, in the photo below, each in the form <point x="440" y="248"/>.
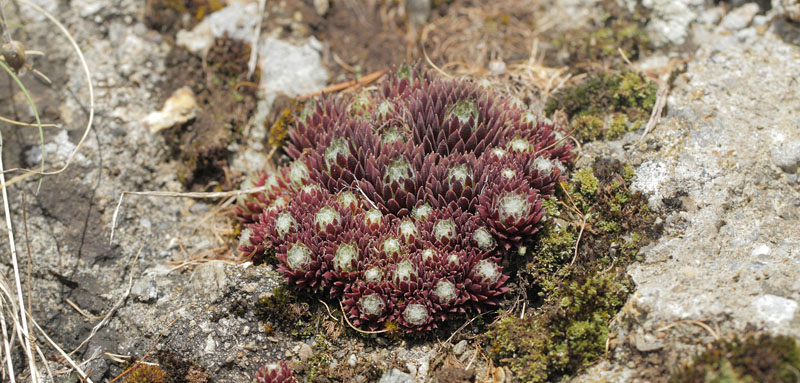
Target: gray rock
<point x="460" y="347"/>
<point x="671" y="19"/>
<point x="236" y="20"/>
<point x="304" y="352"/>
<point x="145" y="290"/>
<point x="291" y="69"/>
<point x="396" y="376"/>
<point x="774" y="309"/>
<point x="209" y="279"/>
<point x="740" y="17"/>
<point x="787" y="156"/>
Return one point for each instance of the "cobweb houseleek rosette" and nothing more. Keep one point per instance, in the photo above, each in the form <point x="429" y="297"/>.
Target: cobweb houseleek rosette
<point x="512" y="211"/>
<point x="277" y="372"/>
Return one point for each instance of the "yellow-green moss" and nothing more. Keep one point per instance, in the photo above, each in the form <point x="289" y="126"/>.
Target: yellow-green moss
<point x="585" y="182"/>
<point x="570" y="334"/>
<point x="287" y="311"/>
<point x="606" y="104"/>
<point x="587" y="127"/>
<point x="552" y="248"/>
<point x="552" y="207"/>
<point x="146" y="373"/>
<point x="578" y="295"/>
<point x="763" y="358"/>
<point x="617" y="126"/>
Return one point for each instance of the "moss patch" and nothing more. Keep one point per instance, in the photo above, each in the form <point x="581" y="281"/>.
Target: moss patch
<point x="606" y="104"/>
<point x="576" y="299"/>
<point x="287" y="311"/>
<point x="146" y="373"/>
<point x="761" y="358"/>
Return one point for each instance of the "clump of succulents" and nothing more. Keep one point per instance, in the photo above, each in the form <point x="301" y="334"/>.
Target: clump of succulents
<point x="277" y="372"/>
<point x="403" y="203"/>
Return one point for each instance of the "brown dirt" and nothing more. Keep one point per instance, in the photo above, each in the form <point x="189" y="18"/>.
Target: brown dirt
<point x="227" y="101"/>
<point x="364" y="36"/>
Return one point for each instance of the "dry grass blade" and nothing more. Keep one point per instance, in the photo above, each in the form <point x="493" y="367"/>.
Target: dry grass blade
<point x="210" y="195"/>
<point x="64" y="355"/>
<point x="6" y="344"/>
<point x="344" y="315"/>
<point x="20" y="123"/>
<point x="88" y="75"/>
<point x="23" y="317"/>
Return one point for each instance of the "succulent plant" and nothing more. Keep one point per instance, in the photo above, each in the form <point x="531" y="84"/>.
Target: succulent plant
<point x="275" y="373"/>
<point x="402" y="203"/>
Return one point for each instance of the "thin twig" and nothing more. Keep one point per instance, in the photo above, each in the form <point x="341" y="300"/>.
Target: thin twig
<point x="361" y="81"/>
<point x="578" y="241"/>
<point x="82" y="311"/>
<point x="424" y="37"/>
<point x="81" y="374"/>
<point x="661" y="101"/>
<point x="330" y="314"/>
<point x="344" y="315"/>
<point x="694" y="322"/>
<point x="251" y="64"/>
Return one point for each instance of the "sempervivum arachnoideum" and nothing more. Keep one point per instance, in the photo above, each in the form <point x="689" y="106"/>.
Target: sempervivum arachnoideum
<point x="369" y="304"/>
<point x="275" y="373"/>
<point x="450" y="116"/>
<point x="449" y="229"/>
<point x="484" y="283"/>
<point x="343" y="260"/>
<point x="342" y="155"/>
<point x="396" y="178"/>
<point x="512" y="210"/>
<point x="326" y="115"/>
<point x="402" y="202"/>
<point x="416" y="314"/>
<point x="457" y="179"/>
<point x="301" y="261"/>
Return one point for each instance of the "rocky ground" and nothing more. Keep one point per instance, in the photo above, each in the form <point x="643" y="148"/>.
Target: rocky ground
<point x="721" y="165"/>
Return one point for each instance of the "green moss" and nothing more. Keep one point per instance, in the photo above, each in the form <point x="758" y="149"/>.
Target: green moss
<point x="763" y="358"/>
<point x="283" y="309"/>
<point x="552" y="248"/>
<point x="570" y="334"/>
<point x="608" y="227"/>
<point x="617" y="126"/>
<point x="606" y="104"/>
<point x="577" y="295"/>
<point x="552" y="207"/>
<point x="146" y="373"/>
<point x="318" y="365"/>
<point x="587" y="127"/>
<point x="585" y="182"/>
